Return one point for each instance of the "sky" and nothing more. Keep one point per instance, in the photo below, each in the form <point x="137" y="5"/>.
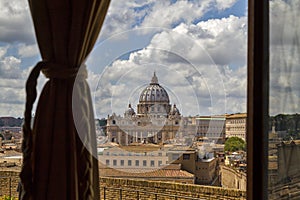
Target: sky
<point x="197" y="48"/>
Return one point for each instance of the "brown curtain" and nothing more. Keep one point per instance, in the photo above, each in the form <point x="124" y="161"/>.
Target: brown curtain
<point x="58" y="161"/>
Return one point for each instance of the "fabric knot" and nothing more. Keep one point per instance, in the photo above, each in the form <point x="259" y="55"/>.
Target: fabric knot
<point x="59" y="71"/>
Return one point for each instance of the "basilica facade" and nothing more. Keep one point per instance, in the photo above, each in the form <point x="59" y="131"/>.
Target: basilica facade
<point x="154" y="121"/>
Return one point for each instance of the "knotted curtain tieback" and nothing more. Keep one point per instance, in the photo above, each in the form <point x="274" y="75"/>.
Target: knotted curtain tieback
<point x="52" y="71"/>
<point x="59" y="71"/>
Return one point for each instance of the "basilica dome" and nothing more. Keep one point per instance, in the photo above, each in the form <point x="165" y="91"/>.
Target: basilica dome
<point x="154" y="92"/>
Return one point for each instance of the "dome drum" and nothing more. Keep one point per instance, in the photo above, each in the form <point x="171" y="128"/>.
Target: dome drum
<point x="154" y="108"/>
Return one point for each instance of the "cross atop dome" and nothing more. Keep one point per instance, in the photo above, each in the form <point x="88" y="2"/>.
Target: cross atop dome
<point x="154" y="79"/>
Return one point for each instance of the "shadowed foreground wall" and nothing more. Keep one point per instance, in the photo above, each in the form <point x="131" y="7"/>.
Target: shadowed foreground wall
<point x="132" y="189"/>
<point x="8" y="183"/>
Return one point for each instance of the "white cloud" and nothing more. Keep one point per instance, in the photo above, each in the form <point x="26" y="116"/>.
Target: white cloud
<point x="9" y="67"/>
<point x="188" y="87"/>
<point x="182" y="59"/>
<point x="26" y="51"/>
<point x="10" y="109"/>
<point x="222" y="5"/>
<point x="164" y="14"/>
<point x="11" y="84"/>
<point x="123" y="15"/>
<point x="284" y="57"/>
<point x="284" y="21"/>
<point x="15" y="22"/>
<point x="3" y="51"/>
<point x="145" y="14"/>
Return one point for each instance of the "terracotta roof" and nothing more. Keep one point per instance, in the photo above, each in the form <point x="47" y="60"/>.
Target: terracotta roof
<point x="182" y="148"/>
<point x="142" y="173"/>
<point x="141" y="148"/>
<point x="237" y="115"/>
<point x="172" y="166"/>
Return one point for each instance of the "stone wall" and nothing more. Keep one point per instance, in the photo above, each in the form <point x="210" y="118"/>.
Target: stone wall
<point x="113" y="188"/>
<point x="230" y="178"/>
<point x="8" y="183"/>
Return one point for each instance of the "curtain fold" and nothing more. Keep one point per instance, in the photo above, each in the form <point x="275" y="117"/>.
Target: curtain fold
<point x="58" y="161"/>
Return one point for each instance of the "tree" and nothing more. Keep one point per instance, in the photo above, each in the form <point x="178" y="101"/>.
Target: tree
<point x="234" y="144"/>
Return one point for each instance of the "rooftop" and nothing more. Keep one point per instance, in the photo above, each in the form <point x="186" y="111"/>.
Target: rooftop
<point x="143" y="173"/>
<point x="236" y="115"/>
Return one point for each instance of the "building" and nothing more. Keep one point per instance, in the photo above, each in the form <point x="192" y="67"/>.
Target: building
<point x="236" y="125"/>
<point x="135" y="156"/>
<point x="197" y="161"/>
<point x="156" y="136"/>
<point x="155" y="121"/>
<point x="180" y="161"/>
<point x="233" y="178"/>
<point x="205" y="128"/>
<point x="142" y="161"/>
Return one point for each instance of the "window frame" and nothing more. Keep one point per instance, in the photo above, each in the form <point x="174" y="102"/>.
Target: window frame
<point x="257" y="99"/>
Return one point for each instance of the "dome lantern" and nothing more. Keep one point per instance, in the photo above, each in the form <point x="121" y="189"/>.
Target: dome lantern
<point x="154" y="80"/>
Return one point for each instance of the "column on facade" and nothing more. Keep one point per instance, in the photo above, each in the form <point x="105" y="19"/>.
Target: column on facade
<point x="136" y="136"/>
<point x="119" y="137"/>
<point x="126" y="138"/>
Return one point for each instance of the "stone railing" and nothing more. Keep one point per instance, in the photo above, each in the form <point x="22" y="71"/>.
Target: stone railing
<point x="114" y="188"/>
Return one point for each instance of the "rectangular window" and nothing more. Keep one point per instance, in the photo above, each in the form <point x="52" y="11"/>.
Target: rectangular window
<point x="107" y="162"/>
<point x="159" y="154"/>
<point x="144" y="163"/>
<point x="186" y="156"/>
<point x="122" y="162"/>
<point x="137" y="163"/>
<point x="152" y="163"/>
<point x="129" y="162"/>
<point x="159" y="163"/>
<point x="115" y="162"/>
